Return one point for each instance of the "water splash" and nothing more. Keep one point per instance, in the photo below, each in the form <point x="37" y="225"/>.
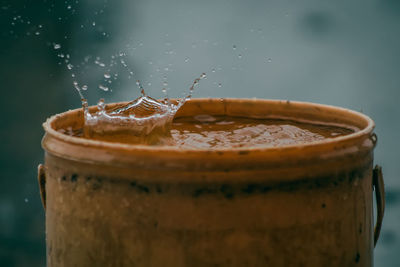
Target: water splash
<point x="144" y="120"/>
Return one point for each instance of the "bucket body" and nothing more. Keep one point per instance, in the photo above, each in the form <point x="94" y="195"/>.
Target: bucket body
<point x="111" y="204"/>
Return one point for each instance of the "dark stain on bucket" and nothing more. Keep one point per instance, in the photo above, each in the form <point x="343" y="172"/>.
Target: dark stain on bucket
<point x="159" y="189"/>
<point x="97" y="184"/>
<point x="226" y="190"/>
<point x="249" y="189"/>
<point x="203" y="191"/>
<point x="357" y="259"/>
<point x="74" y="177"/>
<point x="140" y="187"/>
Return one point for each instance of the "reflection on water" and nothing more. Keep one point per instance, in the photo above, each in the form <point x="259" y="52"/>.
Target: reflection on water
<point x="344" y="53"/>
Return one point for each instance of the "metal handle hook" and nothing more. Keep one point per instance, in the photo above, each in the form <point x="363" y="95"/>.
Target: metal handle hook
<point x="377" y="183"/>
<point x="42" y="184"/>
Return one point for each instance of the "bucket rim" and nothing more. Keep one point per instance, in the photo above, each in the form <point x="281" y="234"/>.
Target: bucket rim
<point x="366" y="131"/>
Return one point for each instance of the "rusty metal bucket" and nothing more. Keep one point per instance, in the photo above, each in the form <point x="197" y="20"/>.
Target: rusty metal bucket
<point x="112" y="204"/>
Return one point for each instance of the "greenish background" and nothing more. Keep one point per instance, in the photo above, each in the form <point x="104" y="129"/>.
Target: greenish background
<point x="343" y="53"/>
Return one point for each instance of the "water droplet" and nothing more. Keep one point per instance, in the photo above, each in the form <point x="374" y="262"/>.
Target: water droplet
<point x="186" y="60"/>
<point x="139" y="85"/>
<point x="124" y="63"/>
<point x="107" y="75"/>
<point x="269" y="60"/>
<point x="101" y="105"/>
<point x="239" y="56"/>
<point x="234" y="47"/>
<point x="26" y="200"/>
<point x="76" y="85"/>
<point x="37" y="33"/>
<point x="68" y="7"/>
<point x="203" y="76"/>
<point x="40" y="26"/>
<point x="101" y="64"/>
<point x="104" y="88"/>
<point x="70" y="66"/>
<point x="220" y="85"/>
<point x="94" y="23"/>
<point x="84" y="87"/>
<point x="57" y="46"/>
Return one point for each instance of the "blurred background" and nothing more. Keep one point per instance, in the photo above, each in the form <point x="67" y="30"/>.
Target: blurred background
<point x="343" y="53"/>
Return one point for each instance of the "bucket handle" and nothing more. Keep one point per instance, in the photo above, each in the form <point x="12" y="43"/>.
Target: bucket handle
<point x="378" y="185"/>
<point x="42" y="184"/>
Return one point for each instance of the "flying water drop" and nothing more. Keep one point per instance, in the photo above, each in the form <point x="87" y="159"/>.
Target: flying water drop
<point x="104" y="88"/>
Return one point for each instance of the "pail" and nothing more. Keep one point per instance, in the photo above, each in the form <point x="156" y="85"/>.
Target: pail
<point x="114" y="204"/>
